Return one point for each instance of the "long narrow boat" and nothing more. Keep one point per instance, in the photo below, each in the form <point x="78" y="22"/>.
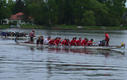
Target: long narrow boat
<point x="72" y="47"/>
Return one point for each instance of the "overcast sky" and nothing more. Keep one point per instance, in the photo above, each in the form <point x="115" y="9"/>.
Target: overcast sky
<point x="126" y="4"/>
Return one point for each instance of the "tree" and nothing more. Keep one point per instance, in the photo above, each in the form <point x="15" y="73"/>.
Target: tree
<point x="75" y="12"/>
<point x="88" y="18"/>
<point x="19" y="6"/>
<point x="5" y="10"/>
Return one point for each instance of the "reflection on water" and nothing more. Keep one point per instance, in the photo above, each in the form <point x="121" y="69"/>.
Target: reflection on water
<point x="106" y="53"/>
<point x="28" y="63"/>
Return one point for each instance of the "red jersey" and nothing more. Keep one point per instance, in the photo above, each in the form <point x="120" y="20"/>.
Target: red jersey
<point x="57" y="41"/>
<point x="106" y="37"/>
<point x="63" y="42"/>
<point x="83" y="42"/>
<point x="90" y="43"/>
<point x="73" y="43"/>
<point x="78" y="42"/>
<point x="51" y="42"/>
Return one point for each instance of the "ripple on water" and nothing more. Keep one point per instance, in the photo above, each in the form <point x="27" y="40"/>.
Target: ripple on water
<point x="25" y="63"/>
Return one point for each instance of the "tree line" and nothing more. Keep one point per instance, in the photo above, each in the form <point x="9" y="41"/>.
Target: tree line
<point x="68" y="12"/>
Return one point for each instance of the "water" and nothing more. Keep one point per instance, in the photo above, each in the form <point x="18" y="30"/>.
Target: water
<point x="25" y="63"/>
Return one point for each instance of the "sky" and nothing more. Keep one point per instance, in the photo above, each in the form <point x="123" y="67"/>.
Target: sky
<point x="126" y="4"/>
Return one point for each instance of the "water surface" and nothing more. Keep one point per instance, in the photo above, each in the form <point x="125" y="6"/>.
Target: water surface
<point x="26" y="63"/>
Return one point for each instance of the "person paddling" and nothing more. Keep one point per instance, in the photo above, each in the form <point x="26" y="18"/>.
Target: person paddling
<point x="90" y="42"/>
<point x="73" y="42"/>
<point x="46" y="41"/>
<point x="32" y="35"/>
<point x="78" y="42"/>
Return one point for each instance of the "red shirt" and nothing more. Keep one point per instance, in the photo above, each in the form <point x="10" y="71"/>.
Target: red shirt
<point x="78" y="42"/>
<point x="73" y="42"/>
<point x="106" y="36"/>
<point x="51" y="42"/>
<point x="63" y="42"/>
<point x="90" y="43"/>
<point x="84" y="43"/>
<point x="66" y="42"/>
<point x="57" y="41"/>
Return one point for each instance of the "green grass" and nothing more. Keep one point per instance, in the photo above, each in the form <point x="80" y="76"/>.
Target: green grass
<point x="4" y="26"/>
<point x="32" y="27"/>
<point x="74" y="27"/>
<point x="69" y="27"/>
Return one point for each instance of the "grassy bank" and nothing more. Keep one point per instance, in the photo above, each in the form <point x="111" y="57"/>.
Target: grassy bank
<point x="4" y="26"/>
<point x="32" y="27"/>
<point x="74" y="27"/>
<point x="69" y="27"/>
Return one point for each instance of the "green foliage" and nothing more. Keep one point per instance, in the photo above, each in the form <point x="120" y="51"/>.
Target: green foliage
<point x="5" y="10"/>
<point x="67" y="12"/>
<point x="88" y="18"/>
<point x="19" y="7"/>
<point x="4" y="26"/>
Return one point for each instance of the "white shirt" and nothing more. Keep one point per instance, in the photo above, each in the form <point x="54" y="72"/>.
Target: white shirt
<point x="46" y="41"/>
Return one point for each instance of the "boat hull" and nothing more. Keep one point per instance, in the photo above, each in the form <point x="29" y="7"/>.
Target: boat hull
<point x="71" y="47"/>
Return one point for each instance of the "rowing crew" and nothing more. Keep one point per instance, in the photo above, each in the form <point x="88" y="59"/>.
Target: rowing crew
<point x="74" y="42"/>
<point x="65" y="42"/>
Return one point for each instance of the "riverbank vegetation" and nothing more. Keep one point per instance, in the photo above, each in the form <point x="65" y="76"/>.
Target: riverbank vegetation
<point x="68" y="27"/>
<point x="52" y="13"/>
<point x="74" y="27"/>
<point x="4" y="26"/>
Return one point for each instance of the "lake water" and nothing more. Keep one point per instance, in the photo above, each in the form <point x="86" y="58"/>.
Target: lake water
<point x="26" y="63"/>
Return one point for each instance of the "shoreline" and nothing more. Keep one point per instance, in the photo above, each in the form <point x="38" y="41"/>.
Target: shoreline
<point x="68" y="27"/>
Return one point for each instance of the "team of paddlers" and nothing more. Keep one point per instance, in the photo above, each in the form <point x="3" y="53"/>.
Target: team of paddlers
<point x="74" y="42"/>
<point x="66" y="42"/>
<point x="58" y="41"/>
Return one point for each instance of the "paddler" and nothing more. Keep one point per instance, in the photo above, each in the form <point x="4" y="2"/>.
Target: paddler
<point x="65" y="42"/>
<point x="90" y="43"/>
<point x="32" y="35"/>
<point x="42" y="40"/>
<point x="73" y="42"/>
<point x="57" y="41"/>
<point x="46" y="41"/>
<point x="38" y="41"/>
<point x="107" y="39"/>
<point x="84" y="42"/>
<point x="78" y="42"/>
